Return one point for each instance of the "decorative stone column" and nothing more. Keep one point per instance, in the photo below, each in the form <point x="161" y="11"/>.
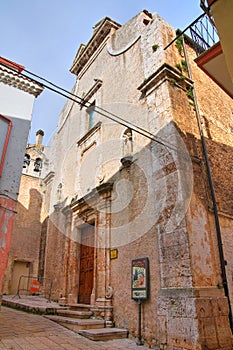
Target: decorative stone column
<point x="104" y="291"/>
<point x="7" y="214"/>
<point x="66" y="297"/>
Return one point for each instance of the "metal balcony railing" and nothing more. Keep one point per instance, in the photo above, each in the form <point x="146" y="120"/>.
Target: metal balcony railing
<point x="203" y="33"/>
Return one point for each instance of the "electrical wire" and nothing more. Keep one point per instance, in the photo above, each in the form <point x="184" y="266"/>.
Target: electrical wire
<point x="183" y="31"/>
<point x="105" y="113"/>
<point x="77" y="99"/>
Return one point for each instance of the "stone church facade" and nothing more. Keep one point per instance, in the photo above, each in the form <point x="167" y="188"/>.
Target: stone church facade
<point x="127" y="179"/>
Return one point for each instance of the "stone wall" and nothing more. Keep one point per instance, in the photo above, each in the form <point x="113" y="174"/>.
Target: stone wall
<point x="26" y="231"/>
<point x="159" y="205"/>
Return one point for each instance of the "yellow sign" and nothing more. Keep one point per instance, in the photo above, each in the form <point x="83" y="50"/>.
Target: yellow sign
<point x="114" y="253"/>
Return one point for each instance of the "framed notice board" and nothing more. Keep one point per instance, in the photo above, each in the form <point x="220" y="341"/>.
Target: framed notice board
<point x="5" y="129"/>
<point x="140" y="279"/>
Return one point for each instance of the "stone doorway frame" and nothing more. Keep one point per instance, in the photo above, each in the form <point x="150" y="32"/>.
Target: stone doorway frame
<point x="95" y="208"/>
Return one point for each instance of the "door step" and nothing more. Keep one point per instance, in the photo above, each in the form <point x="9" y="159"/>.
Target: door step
<point x="75" y="314"/>
<point x="77" y="318"/>
<point x="104" y="333"/>
<point x="76" y="324"/>
<point x="79" y="307"/>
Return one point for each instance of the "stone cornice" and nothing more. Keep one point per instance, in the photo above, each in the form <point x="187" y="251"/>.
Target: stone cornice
<point x="98" y="83"/>
<point x="14" y="79"/>
<point x="164" y="73"/>
<point x="49" y="177"/>
<point x="91" y="200"/>
<point x="101" y="30"/>
<point x="96" y="127"/>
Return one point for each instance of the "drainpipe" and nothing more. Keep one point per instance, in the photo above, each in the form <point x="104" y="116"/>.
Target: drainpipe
<point x="213" y="196"/>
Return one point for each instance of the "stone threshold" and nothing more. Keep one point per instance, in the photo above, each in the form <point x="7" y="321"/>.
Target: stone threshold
<point x="33" y="304"/>
<point x="76" y="324"/>
<point x="103" y="334"/>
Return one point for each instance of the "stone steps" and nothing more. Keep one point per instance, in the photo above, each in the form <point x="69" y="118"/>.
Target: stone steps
<point x="103" y="334"/>
<point x="76" y="324"/>
<point x="79" y="307"/>
<point x="84" y="314"/>
<point x="76" y="317"/>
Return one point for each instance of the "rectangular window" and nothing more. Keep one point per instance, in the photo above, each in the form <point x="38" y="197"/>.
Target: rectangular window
<point x="91" y="115"/>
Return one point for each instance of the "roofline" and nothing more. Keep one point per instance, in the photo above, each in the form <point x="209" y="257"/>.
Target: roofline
<point x="12" y="64"/>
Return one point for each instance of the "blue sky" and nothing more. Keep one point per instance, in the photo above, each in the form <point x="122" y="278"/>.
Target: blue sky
<point x="44" y="36"/>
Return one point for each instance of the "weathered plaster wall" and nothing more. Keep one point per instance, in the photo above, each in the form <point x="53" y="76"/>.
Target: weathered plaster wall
<point x="203" y="246"/>
<point x="55" y="252"/>
<point x="175" y="229"/>
<point x="26" y="230"/>
<point x="7" y="212"/>
<point x="126" y="309"/>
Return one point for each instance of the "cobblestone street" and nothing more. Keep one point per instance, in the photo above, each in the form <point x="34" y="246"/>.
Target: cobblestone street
<point x="23" y="331"/>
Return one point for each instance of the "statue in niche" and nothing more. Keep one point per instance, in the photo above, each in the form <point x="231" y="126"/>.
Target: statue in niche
<point x="127" y="148"/>
<point x="127" y="143"/>
<point x="59" y="192"/>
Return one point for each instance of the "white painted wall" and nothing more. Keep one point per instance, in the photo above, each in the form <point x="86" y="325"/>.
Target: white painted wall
<point x="15" y="102"/>
<point x="16" y="105"/>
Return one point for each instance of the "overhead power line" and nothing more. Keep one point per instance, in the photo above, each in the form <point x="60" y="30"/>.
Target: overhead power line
<point x="107" y="114"/>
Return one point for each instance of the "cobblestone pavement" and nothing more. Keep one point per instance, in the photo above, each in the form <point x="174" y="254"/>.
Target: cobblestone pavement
<point x="23" y="331"/>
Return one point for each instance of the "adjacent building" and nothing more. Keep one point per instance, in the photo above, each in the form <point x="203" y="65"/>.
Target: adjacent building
<point x="26" y="246"/>
<point x="216" y="61"/>
<point x="17" y="95"/>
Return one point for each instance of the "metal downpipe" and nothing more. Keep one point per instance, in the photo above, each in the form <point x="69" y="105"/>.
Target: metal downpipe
<point x="212" y="190"/>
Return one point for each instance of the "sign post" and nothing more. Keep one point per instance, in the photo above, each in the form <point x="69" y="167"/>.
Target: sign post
<point x="140" y="288"/>
<point x="35" y="286"/>
<point x="139" y="342"/>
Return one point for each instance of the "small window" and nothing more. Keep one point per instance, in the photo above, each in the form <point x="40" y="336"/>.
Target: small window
<point x="38" y="165"/>
<point x="91" y="115"/>
<point x="26" y="161"/>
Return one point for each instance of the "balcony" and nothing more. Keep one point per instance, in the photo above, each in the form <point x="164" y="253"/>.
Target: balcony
<point x="214" y="56"/>
<point x="211" y="35"/>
